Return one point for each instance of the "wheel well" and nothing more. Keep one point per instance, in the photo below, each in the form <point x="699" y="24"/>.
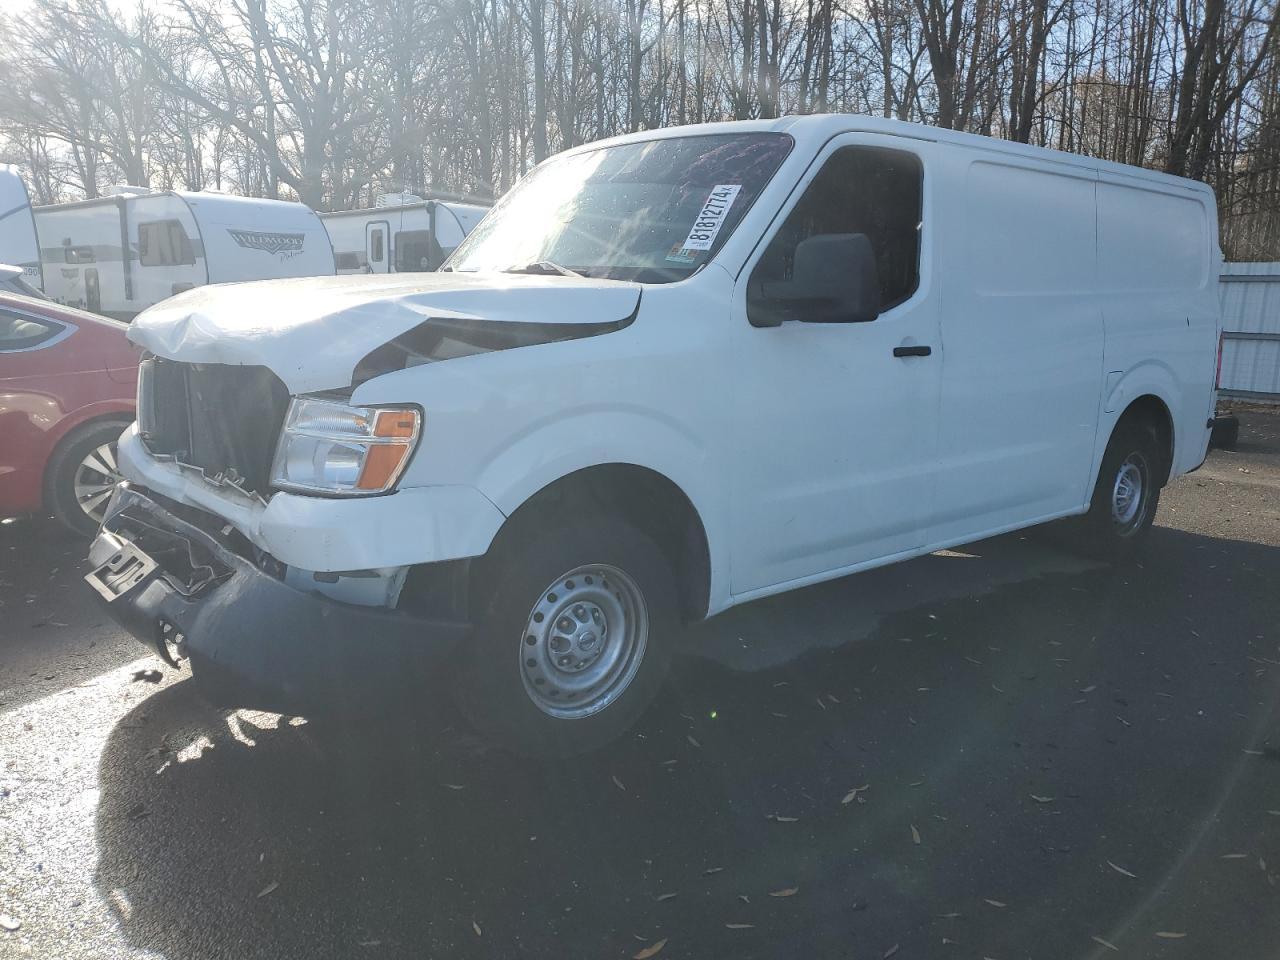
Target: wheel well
<point x="1150" y="410"/>
<point x="646" y="498"/>
<point x="70" y="437"/>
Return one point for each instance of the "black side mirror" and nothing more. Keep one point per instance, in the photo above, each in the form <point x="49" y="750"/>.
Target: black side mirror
<point x="833" y="280"/>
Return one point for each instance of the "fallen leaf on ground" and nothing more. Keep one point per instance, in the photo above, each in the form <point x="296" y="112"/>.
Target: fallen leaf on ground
<point x="618" y="783"/>
<point x="915" y="834"/>
<point x="692" y="742"/>
<point x="996" y="689"/>
<point x="666" y="896"/>
<point x="650" y="951"/>
<point x="740" y="926"/>
<point x="744" y="898"/>
<point x="889" y="953"/>
<point x="1105" y="943"/>
<point x="455" y="786"/>
<point x="710" y="870"/>
<point x="476" y="927"/>
<point x="1041" y="799"/>
<point x="788" y="892"/>
<point x="947" y="916"/>
<point x="1120" y="869"/>
<point x="8" y="923"/>
<point x="1169" y="935"/>
<point x="268" y="888"/>
<point x="853" y="794"/>
<point x="1089" y="689"/>
<point x="994" y="903"/>
<point x="1234" y="856"/>
<point x="778" y="819"/>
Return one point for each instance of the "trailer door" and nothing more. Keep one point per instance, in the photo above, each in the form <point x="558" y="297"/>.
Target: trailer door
<point x="375" y="245"/>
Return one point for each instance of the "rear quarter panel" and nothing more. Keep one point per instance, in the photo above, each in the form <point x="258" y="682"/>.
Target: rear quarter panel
<point x="1158" y="272"/>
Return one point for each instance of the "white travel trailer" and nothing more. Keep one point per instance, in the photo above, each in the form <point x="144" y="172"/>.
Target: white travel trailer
<point x="18" y="244"/>
<point x="120" y="254"/>
<point x="398" y="236"/>
<point x="669" y="373"/>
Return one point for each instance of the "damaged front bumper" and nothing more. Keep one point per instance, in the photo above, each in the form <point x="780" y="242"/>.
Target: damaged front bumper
<point x="180" y="585"/>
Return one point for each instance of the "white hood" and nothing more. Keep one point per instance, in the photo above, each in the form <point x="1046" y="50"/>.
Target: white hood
<point x="311" y="332"/>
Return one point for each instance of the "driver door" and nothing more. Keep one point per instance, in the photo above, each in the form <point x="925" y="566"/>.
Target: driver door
<point x="837" y="456"/>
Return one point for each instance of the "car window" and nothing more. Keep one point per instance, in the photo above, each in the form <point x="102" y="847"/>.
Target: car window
<point x="164" y="243"/>
<point x="867" y="190"/>
<point x="19" y="332"/>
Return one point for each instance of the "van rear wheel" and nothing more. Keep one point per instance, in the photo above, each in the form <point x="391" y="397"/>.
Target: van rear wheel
<point x="574" y="637"/>
<point x="1127" y="493"/>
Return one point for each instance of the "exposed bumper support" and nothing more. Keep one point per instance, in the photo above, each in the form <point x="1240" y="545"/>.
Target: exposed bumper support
<point x="252" y="640"/>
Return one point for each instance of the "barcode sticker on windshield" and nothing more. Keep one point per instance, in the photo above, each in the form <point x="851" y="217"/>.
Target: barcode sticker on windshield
<point x="712" y="216"/>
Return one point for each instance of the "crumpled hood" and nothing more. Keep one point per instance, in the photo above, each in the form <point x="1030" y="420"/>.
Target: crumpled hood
<point x="313" y="331"/>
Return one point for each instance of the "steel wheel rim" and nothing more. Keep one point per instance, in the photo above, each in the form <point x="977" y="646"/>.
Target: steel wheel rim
<point x="96" y="476"/>
<point x="583" y="641"/>
<point x="1129" y="493"/>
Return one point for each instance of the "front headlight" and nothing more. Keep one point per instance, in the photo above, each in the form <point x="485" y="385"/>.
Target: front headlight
<point x="329" y="447"/>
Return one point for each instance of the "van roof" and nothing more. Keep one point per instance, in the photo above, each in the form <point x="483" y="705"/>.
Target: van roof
<point x="817" y="128"/>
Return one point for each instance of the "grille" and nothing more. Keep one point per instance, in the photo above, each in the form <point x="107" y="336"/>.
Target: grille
<point x="224" y="420"/>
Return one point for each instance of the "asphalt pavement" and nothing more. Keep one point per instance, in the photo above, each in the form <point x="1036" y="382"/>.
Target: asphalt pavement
<point x="999" y="751"/>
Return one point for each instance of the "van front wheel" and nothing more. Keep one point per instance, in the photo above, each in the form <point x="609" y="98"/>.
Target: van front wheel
<point x="1127" y="493"/>
<point x="574" y="638"/>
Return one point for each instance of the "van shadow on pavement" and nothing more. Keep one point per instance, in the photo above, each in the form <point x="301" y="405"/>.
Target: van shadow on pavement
<point x="1006" y="751"/>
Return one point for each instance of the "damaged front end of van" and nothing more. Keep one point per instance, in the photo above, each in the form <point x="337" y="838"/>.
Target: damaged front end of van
<point x="272" y="516"/>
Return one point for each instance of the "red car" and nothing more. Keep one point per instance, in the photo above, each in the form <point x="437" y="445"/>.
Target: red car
<point x="67" y="385"/>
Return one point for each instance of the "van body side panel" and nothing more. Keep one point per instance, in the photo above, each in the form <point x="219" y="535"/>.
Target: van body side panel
<point x="1157" y="265"/>
<point x="1023" y="342"/>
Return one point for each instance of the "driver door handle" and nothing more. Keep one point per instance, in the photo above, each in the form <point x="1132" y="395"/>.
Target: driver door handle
<point x="912" y="351"/>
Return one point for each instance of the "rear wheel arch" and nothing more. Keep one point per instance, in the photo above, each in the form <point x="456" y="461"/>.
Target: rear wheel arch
<point x="641" y="496"/>
<point x="1152" y="413"/>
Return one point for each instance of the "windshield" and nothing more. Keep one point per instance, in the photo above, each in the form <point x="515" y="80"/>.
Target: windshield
<point x="653" y="211"/>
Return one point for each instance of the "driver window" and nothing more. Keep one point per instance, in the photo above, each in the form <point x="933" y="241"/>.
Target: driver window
<point x="868" y="190"/>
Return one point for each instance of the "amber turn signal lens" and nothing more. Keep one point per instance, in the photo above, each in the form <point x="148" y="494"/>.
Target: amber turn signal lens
<point x="381" y="465"/>
<point x="396" y="423"/>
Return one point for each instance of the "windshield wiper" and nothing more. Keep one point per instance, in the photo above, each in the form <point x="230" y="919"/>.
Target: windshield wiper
<point x="545" y="268"/>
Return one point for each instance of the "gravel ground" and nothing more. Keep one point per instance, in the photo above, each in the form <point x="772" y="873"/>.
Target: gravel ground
<point x="1001" y="751"/>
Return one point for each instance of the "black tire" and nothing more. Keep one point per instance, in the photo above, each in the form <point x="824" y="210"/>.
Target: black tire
<point x="502" y="669"/>
<point x="60" y="473"/>
<point x="1115" y="526"/>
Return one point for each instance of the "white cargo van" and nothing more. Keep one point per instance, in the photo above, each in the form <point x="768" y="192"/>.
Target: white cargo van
<point x="668" y="373"/>
<point x="18" y="245"/>
<point x="118" y="255"/>
<point x="403" y="234"/>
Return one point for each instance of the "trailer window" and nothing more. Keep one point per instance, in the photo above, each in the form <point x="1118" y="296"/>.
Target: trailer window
<point x="78" y="254"/>
<point x="416" y="250"/>
<point x="868" y="190"/>
<point x="164" y="243"/>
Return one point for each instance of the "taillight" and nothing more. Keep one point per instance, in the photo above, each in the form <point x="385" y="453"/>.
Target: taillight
<point x="1217" y="375"/>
